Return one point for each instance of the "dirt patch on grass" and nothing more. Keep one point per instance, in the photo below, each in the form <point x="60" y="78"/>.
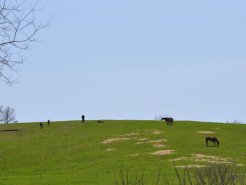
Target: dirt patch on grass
<point x="156" y="141"/>
<point x="204" y="158"/>
<point x="133" y="155"/>
<point x="109" y="149"/>
<point x="116" y="139"/>
<point x="210" y="159"/>
<point x="139" y="143"/>
<point x="159" y="145"/>
<point x="192" y="166"/>
<point x="129" y="135"/>
<point x="162" y="152"/>
<point x="179" y="159"/>
<point x="241" y="165"/>
<point x="143" y="139"/>
<point x="156" y="132"/>
<point x="205" y="132"/>
<point x="121" y="138"/>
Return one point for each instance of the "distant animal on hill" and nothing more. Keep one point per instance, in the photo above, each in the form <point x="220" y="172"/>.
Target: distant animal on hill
<point x="212" y="139"/>
<point x="41" y="125"/>
<point x="83" y="118"/>
<point x="48" y="122"/>
<point x="100" y="121"/>
<point x="168" y="120"/>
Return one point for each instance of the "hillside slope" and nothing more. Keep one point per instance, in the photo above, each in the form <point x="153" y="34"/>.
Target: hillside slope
<point x="72" y="153"/>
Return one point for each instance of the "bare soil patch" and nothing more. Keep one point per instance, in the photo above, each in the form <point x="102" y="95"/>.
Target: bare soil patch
<point x="156" y="132"/>
<point x="162" y="152"/>
<point x="128" y="135"/>
<point x="159" y="145"/>
<point x="134" y="155"/>
<point x="139" y="143"/>
<point x="121" y="138"/>
<point x="109" y="149"/>
<point x="156" y="141"/>
<point x="143" y="139"/>
<point x="116" y="139"/>
<point x="240" y="165"/>
<point x="210" y="159"/>
<point x="179" y="159"/>
<point x="205" y="132"/>
<point x="204" y="158"/>
<point x="192" y="166"/>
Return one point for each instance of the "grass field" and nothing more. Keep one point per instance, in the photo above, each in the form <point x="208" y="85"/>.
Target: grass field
<point x="70" y="152"/>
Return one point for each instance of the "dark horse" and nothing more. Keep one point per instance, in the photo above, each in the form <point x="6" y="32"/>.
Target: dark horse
<point x="168" y="120"/>
<point x="41" y="125"/>
<point x="212" y="139"/>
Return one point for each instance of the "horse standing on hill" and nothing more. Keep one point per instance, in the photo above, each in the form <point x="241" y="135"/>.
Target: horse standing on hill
<point x="41" y="125"/>
<point x="168" y="120"/>
<point x="212" y="139"/>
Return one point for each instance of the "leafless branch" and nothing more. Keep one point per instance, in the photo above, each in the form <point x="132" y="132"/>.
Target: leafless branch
<point x="18" y="30"/>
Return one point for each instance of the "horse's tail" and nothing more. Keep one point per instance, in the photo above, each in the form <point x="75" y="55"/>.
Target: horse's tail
<point x="206" y="140"/>
<point x="218" y="143"/>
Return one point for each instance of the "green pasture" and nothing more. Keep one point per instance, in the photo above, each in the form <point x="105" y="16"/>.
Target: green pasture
<point x="71" y="152"/>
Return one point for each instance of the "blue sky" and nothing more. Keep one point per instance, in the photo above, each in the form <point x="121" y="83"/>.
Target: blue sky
<point x="132" y="59"/>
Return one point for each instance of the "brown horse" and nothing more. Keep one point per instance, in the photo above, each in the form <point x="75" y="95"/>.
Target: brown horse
<point x="168" y="120"/>
<point x="212" y="139"/>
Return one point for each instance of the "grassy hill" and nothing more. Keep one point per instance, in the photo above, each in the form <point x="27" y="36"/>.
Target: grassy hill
<point x="70" y="152"/>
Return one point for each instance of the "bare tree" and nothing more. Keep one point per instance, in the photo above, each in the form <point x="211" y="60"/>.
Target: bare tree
<point x="18" y="30"/>
<point x="7" y="114"/>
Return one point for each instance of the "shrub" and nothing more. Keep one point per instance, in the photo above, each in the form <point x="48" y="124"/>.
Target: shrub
<point x="212" y="174"/>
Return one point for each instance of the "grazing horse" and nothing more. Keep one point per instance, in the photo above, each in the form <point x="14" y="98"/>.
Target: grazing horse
<point x="212" y="139"/>
<point x="41" y="125"/>
<point x="168" y="120"/>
